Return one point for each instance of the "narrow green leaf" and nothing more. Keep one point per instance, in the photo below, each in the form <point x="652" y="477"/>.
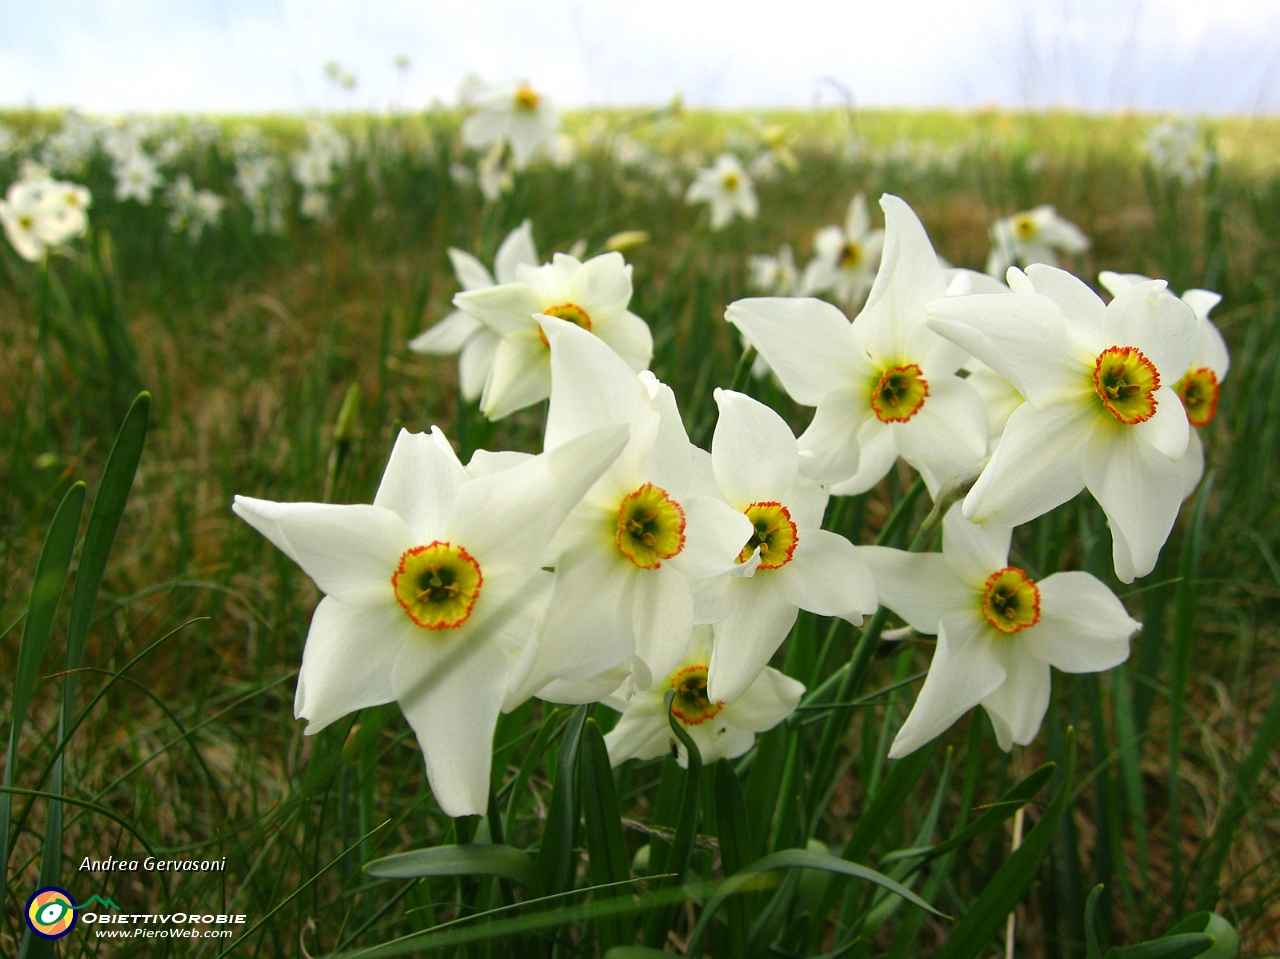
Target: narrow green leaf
<point x="737" y="848"/>
<point x="635" y="952"/>
<point x="473" y="859"/>
<point x="794" y="859"/>
<point x="606" y="847"/>
<point x="972" y="935"/>
<point x="1186" y="946"/>
<point x="886" y="806"/>
<point x="765" y="780"/>
<point x="555" y="855"/>
<point x="1092" y="945"/>
<point x="46" y="591"/>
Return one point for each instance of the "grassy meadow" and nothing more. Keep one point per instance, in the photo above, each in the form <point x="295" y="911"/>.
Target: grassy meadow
<point x="182" y="740"/>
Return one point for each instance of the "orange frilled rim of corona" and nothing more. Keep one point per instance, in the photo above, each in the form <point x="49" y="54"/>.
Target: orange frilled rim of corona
<point x="899" y="393"/>
<point x="1199" y="391"/>
<point x="1126" y="382"/>
<point x="571" y="312"/>
<point x="1011" y="600"/>
<point x="690" y="704"/>
<point x="437" y="585"/>
<point x="650" y="526"/>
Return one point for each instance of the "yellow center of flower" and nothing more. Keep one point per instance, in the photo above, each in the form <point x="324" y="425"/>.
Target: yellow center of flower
<point x="650" y="526"/>
<point x="526" y="98"/>
<point x="567" y="311"/>
<point x="1011" y="600"/>
<point x="730" y="181"/>
<point x="1199" y="391"/>
<point x="25" y="222"/>
<point x="775" y="535"/>
<point x="1126" y="382"/>
<point x="850" y="254"/>
<point x="690" y="704"/>
<point x="1024" y="226"/>
<point x="437" y="585"/>
<point x="899" y="393"/>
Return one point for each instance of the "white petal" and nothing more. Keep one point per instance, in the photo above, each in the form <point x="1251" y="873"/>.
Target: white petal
<point x="453" y="710"/>
<point x="1018" y="706"/>
<point x="518" y="248"/>
<point x="520" y="376"/>
<point x="661" y="617"/>
<point x="830" y="445"/>
<point x="964" y="671"/>
<point x="471" y="273"/>
<point x="507" y="520"/>
<point x="447" y="336"/>
<point x="591" y="386"/>
<point x="1021" y="336"/>
<point x="948" y="434"/>
<point x="1161" y="326"/>
<point x="642" y="733"/>
<point x="348" y="659"/>
<point x="1139" y="489"/>
<point x="714" y="536"/>
<point x="1080" y="306"/>
<point x="602" y="285"/>
<point x="1168" y="430"/>
<point x="349" y="551"/>
<point x="628" y="336"/>
<point x="922" y="588"/>
<point x="973" y="552"/>
<point x="593" y="690"/>
<point x="486" y="463"/>
<point x="420" y="482"/>
<point x="753" y="452"/>
<point x="1201" y="302"/>
<point x="758" y="622"/>
<point x="807" y="343"/>
<point x="877" y="454"/>
<point x="1083" y="627"/>
<point x="1035" y="467"/>
<point x="475" y="362"/>
<point x="1191" y="464"/>
<point x="1212" y="351"/>
<point x="858" y="220"/>
<point x="827" y="575"/>
<point x="768" y="701"/>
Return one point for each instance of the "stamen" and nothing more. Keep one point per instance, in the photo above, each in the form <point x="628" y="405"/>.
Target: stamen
<point x="1126" y="382"/>
<point x="899" y="393"/>
<point x="775" y="535"/>
<point x="437" y="585"/>
<point x="650" y="526"/>
<point x="1011" y="600"/>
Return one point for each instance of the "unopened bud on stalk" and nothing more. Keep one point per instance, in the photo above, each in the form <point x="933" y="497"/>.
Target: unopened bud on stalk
<point x="626" y="240"/>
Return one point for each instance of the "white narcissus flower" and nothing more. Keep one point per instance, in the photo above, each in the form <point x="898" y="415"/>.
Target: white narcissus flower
<point x="1200" y="387"/>
<point x="38" y="213"/>
<point x="774" y="275"/>
<point x="727" y="189"/>
<point x="516" y="114"/>
<point x="885" y="384"/>
<point x="136" y="177"/>
<point x="998" y="631"/>
<point x="628" y="556"/>
<point x="1034" y="236"/>
<point x="720" y="730"/>
<point x="593" y="295"/>
<point x="845" y="260"/>
<point x="461" y="333"/>
<point x="432" y="594"/>
<point x="999" y="396"/>
<point x="1100" y="412"/>
<point x="790" y="563"/>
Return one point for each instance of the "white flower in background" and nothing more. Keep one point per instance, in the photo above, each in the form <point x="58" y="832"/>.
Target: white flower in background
<point x="628" y="556"/>
<point x="8" y="140"/>
<point x="1177" y="150"/>
<point x="1034" y="236"/>
<point x="70" y="148"/>
<point x="790" y="563"/>
<point x="462" y="333"/>
<point x="593" y="295"/>
<point x="192" y="210"/>
<point x="258" y="180"/>
<point x="314" y="205"/>
<point x="774" y="275"/>
<point x="515" y="114"/>
<point x="314" y="168"/>
<point x="136" y="177"/>
<point x="494" y="174"/>
<point x="169" y="151"/>
<point x="720" y="730"/>
<point x="727" y="189"/>
<point x="1100" y="412"/>
<point x="885" y="384"/>
<point x="431" y="594"/>
<point x="38" y="213"/>
<point x="1200" y="387"/>
<point x="846" y="260"/>
<point x="998" y="631"/>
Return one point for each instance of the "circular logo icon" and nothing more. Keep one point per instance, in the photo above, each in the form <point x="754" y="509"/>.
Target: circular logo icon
<point x="51" y="912"/>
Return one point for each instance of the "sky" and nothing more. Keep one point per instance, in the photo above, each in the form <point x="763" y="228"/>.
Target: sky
<point x="245" y="56"/>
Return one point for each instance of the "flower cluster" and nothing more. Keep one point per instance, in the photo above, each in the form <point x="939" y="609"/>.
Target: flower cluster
<point x="625" y="565"/>
<point x="192" y="210"/>
<point x="314" y="168"/>
<point x="39" y="212"/>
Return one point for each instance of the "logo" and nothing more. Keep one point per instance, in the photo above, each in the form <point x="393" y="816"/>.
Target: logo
<point x="51" y="912"/>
